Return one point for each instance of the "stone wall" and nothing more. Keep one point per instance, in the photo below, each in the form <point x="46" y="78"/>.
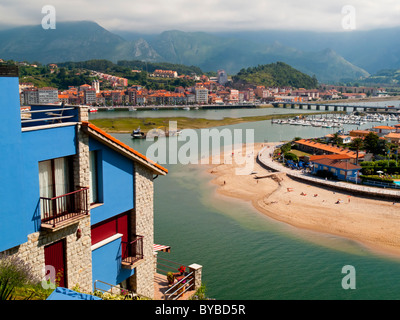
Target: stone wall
<point x="143" y="224"/>
<point x="78" y="253"/>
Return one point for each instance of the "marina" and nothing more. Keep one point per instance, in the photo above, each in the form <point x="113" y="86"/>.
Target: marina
<point x="336" y="120"/>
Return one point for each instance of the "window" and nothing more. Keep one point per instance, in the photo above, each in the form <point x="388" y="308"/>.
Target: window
<point x="54" y="178"/>
<point x="93" y="184"/>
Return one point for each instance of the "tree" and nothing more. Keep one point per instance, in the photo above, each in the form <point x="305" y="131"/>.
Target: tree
<point x="336" y="138"/>
<point x="357" y="144"/>
<point x="371" y="142"/>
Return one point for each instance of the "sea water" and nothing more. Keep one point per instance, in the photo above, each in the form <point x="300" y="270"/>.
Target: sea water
<point x="246" y="255"/>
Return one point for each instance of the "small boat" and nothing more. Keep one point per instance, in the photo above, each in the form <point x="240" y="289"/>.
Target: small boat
<point x="138" y="134"/>
<point x="173" y="133"/>
<point x="92" y="109"/>
<point x="186" y="108"/>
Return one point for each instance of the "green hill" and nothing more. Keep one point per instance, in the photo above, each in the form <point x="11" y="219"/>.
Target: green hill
<point x="275" y="75"/>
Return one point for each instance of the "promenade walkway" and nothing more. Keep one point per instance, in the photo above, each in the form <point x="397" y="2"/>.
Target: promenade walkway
<point x="265" y="159"/>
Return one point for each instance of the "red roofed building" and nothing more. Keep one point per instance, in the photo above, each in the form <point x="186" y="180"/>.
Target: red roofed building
<point x="342" y="170"/>
<point x="317" y="148"/>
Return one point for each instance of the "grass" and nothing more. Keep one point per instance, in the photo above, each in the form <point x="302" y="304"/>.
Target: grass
<point x="126" y="125"/>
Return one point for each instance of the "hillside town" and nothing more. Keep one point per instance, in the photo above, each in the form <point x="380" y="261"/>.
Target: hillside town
<point x="207" y="90"/>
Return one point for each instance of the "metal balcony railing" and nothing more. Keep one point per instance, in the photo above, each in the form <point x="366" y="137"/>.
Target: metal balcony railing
<point x="65" y="207"/>
<point x="132" y="251"/>
<point x="50" y="114"/>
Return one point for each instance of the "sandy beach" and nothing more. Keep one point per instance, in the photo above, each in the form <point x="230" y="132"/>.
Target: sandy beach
<point x="373" y="223"/>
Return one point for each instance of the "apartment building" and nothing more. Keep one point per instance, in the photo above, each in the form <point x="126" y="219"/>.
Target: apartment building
<point x="48" y="95"/>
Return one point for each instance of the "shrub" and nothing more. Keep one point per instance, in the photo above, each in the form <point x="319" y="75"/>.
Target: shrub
<point x="16" y="271"/>
<point x="291" y="156"/>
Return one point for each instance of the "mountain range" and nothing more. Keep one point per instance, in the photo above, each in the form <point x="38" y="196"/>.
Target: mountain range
<point x="330" y="57"/>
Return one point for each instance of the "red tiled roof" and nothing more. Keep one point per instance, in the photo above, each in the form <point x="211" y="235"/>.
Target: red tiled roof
<point x="328" y="148"/>
<point x="330" y="156"/>
<point x="339" y="164"/>
<point x="124" y="146"/>
<point x="385" y="127"/>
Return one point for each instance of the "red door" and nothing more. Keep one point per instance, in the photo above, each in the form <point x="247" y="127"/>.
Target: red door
<point x="54" y="255"/>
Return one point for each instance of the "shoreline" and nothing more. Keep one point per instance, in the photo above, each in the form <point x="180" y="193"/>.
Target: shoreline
<point x="372" y="223"/>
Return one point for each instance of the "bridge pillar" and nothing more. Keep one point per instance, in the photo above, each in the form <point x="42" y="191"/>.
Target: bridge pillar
<point x="318" y="107"/>
<point x="326" y="107"/>
<point x="335" y="108"/>
<point x="344" y="108"/>
<point x="293" y="106"/>
<point x="300" y="106"/>
<point x="309" y="107"/>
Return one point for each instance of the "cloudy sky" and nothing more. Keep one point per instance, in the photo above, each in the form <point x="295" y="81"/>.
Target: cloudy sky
<point x="211" y="15"/>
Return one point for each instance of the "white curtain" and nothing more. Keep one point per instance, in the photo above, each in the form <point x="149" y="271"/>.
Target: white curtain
<point x="61" y="176"/>
<point x="45" y="185"/>
<point x="51" y="187"/>
<point x="45" y="179"/>
<point x="93" y="177"/>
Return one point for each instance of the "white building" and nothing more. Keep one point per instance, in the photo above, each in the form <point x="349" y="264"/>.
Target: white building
<point x="201" y="95"/>
<point x="31" y="96"/>
<point x="90" y="96"/>
<point x="222" y="77"/>
<point x="48" y="95"/>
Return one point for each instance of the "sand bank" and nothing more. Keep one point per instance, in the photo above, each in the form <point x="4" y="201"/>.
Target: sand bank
<point x="373" y="223"/>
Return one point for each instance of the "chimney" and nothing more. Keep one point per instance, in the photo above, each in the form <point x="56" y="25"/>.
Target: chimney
<point x="10" y="106"/>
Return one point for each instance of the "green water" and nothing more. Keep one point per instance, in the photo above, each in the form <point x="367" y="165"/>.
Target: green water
<point x="248" y="256"/>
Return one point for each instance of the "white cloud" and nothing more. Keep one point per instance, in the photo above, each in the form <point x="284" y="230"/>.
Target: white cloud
<point x="208" y="15"/>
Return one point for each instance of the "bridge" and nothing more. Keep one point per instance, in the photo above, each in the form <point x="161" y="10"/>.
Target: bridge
<point x="336" y="107"/>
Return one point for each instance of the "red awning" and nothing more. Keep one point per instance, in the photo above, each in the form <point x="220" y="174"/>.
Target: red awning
<point x="160" y="247"/>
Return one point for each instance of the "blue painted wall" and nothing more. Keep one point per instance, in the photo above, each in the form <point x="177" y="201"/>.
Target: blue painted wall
<point x="12" y="227"/>
<point x="19" y="166"/>
<point x="106" y="264"/>
<point x="351" y="174"/>
<point x="116" y="182"/>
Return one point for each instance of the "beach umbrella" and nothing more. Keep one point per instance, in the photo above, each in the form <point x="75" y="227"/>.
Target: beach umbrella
<point x="379" y="171"/>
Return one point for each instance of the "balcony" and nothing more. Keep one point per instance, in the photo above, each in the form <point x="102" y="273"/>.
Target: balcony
<point x="62" y="211"/>
<point x="132" y="252"/>
<point x="48" y="115"/>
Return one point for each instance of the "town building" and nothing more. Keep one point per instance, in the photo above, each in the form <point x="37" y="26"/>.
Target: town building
<point x="383" y="130"/>
<point x="317" y="148"/>
<point x="222" y="77"/>
<point x="340" y="169"/>
<point x="165" y="73"/>
<point x="201" y="95"/>
<point x="89" y="96"/>
<point x="47" y="95"/>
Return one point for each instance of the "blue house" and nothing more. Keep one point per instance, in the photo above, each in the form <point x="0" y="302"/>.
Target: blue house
<point x="76" y="203"/>
<point x="340" y="169"/>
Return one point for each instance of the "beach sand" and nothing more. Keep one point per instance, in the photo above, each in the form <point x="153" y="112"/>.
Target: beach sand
<point x="373" y="223"/>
